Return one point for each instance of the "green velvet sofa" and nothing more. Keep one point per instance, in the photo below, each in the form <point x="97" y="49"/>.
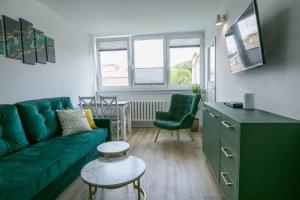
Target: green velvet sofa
<point x="36" y="162"/>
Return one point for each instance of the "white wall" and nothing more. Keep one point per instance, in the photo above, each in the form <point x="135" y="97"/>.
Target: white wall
<point x="69" y="76"/>
<point x="277" y="84"/>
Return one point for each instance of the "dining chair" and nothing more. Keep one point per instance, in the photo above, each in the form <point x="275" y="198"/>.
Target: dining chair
<point x="89" y="102"/>
<point x="109" y="109"/>
<point x="181" y="114"/>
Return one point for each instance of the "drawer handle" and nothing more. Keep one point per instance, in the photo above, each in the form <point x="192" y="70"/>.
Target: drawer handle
<point x="223" y="149"/>
<point x="223" y="175"/>
<point x="226" y="125"/>
<point x="212" y="115"/>
<point x="205" y="109"/>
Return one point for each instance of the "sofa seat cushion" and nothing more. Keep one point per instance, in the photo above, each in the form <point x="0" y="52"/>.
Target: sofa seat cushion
<point x="12" y="135"/>
<point x="40" y="119"/>
<point x="25" y="173"/>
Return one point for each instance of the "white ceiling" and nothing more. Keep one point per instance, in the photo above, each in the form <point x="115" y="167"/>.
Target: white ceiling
<point x="123" y="17"/>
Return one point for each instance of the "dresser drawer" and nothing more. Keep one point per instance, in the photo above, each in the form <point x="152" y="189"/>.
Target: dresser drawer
<point x="228" y="186"/>
<point x="212" y="113"/>
<point x="211" y="139"/>
<point x="230" y="131"/>
<point x="230" y="161"/>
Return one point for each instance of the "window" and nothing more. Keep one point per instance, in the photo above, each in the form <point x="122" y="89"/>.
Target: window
<point x="157" y="61"/>
<point x="212" y="64"/>
<point x="184" y="61"/>
<point x="114" y="63"/>
<point x="149" y="62"/>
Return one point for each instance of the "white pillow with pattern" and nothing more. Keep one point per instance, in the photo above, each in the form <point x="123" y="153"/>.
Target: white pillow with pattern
<point x="73" y="121"/>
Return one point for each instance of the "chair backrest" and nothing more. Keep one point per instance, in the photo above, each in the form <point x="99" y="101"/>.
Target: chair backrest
<point x="109" y="106"/>
<point x="184" y="104"/>
<point x="89" y="102"/>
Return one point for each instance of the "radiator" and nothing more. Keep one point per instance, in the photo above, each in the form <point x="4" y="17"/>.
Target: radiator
<point x="144" y="111"/>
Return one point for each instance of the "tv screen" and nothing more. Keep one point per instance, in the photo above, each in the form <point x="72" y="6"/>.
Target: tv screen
<point x="244" y="41"/>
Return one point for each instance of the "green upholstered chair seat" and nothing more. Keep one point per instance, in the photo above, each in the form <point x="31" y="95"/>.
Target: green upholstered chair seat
<point x="27" y="172"/>
<point x="181" y="114"/>
<point x="167" y="124"/>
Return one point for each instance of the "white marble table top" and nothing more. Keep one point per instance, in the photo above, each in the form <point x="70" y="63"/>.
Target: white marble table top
<point x="113" y="148"/>
<point x="113" y="172"/>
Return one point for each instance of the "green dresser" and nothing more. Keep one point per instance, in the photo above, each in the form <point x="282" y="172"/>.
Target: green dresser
<point x="253" y="154"/>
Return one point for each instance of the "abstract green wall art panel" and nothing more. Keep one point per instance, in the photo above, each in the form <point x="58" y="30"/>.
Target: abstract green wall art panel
<point x="12" y="38"/>
<point x="28" y="44"/>
<point x="1" y="38"/>
<point x="50" y="49"/>
<point x="40" y="46"/>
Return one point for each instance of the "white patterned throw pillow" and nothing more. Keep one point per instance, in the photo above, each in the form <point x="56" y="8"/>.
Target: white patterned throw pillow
<point x="73" y="121"/>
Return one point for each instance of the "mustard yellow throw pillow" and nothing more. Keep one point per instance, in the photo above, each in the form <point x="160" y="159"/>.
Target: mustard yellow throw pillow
<point x="89" y="117"/>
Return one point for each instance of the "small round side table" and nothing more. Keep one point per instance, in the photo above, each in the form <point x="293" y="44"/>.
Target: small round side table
<point x="113" y="149"/>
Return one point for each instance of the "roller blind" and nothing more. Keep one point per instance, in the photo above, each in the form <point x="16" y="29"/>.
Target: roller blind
<point x="149" y="62"/>
<point x="112" y="46"/>
<point x="187" y="42"/>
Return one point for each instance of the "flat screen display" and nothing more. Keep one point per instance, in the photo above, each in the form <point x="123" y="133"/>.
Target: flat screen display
<point x="244" y="41"/>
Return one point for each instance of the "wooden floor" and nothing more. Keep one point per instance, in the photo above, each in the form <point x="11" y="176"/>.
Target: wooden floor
<point x="176" y="170"/>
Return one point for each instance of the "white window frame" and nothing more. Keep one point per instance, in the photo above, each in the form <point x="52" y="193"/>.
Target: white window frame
<point x="149" y="37"/>
<point x="99" y="72"/>
<point x="182" y="36"/>
<point x="166" y="38"/>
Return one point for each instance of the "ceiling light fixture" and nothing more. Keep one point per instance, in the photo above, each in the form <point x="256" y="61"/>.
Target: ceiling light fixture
<point x="221" y="19"/>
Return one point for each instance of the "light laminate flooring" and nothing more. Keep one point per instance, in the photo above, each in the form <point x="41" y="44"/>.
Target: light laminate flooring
<point x="175" y="170"/>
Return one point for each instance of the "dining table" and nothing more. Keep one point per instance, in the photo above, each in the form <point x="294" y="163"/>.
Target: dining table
<point x="125" y="116"/>
<point x="125" y="113"/>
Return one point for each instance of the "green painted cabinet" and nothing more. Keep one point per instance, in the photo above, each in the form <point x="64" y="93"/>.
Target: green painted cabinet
<point x="254" y="155"/>
<point x="211" y="141"/>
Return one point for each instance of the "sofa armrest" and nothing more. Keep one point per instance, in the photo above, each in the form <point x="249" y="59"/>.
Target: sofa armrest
<point x="104" y="123"/>
<point x="163" y="115"/>
<point x="187" y="121"/>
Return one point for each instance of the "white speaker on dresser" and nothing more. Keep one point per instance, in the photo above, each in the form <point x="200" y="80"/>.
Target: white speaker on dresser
<point x="249" y="101"/>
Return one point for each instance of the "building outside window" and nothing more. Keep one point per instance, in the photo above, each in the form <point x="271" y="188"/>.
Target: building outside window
<point x="113" y="58"/>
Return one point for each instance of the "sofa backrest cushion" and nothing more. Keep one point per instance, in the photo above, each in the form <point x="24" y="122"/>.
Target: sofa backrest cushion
<point x="12" y="135"/>
<point x="40" y="119"/>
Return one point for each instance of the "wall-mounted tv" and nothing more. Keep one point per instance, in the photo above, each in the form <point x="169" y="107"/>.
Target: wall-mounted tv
<point x="244" y="41"/>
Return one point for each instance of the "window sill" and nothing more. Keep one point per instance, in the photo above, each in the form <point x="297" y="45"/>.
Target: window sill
<point x="146" y="90"/>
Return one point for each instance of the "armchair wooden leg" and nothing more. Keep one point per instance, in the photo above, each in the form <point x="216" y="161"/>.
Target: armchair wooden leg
<point x="172" y="134"/>
<point x="157" y="135"/>
<point x="189" y="134"/>
<point x="178" y="136"/>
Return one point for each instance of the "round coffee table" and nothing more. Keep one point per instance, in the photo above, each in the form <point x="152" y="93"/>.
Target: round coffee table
<point x="111" y="173"/>
<point x="114" y="148"/>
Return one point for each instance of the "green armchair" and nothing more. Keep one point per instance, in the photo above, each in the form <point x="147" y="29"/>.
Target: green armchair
<point x="181" y="114"/>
